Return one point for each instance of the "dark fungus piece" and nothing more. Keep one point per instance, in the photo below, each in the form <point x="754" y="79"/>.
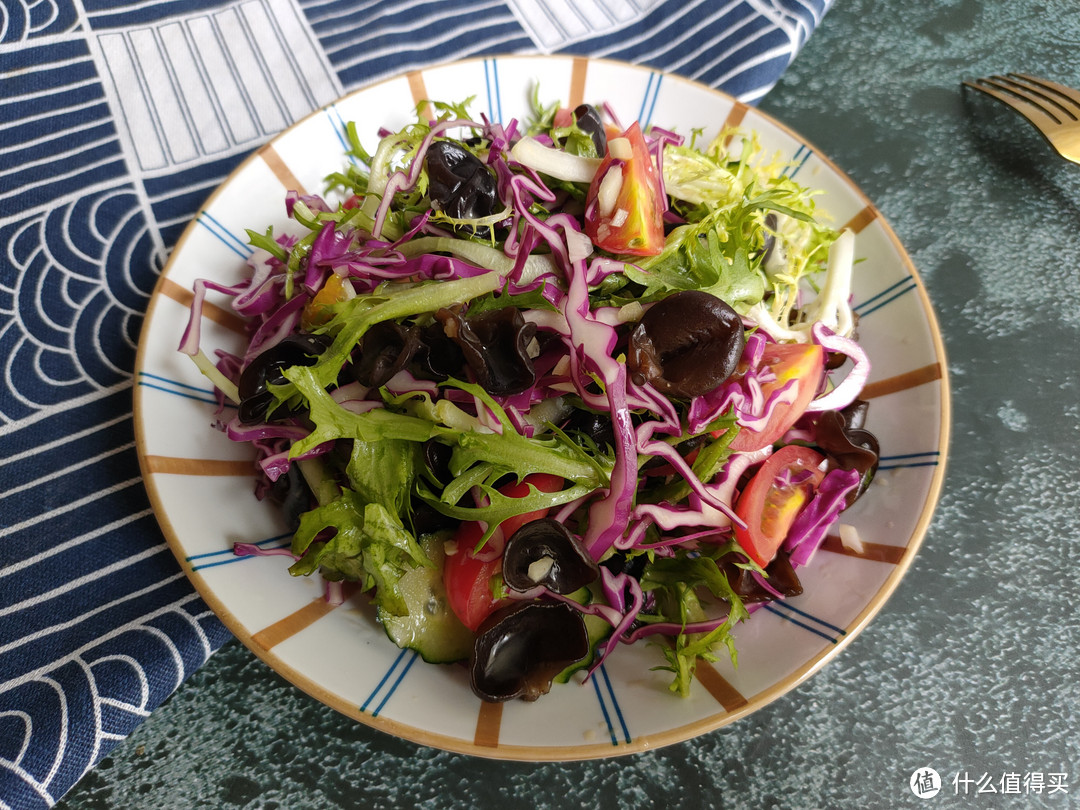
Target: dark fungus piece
<point x="292" y="494"/>
<point x="687" y="344"/>
<point x="622" y="562"/>
<point x="779" y="574"/>
<point x="437" y="459"/>
<point x="597" y="426"/>
<point x="461" y="186"/>
<point x="855" y="414"/>
<point x="385" y="349"/>
<point x="589" y="121"/>
<point x="521" y="647"/>
<point x="849" y="448"/>
<point x="438" y="356"/>
<point x="544" y="552"/>
<point x="496" y="348"/>
<point x="300" y="349"/>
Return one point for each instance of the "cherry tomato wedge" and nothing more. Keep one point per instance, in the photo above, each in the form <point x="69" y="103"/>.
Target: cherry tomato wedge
<point x="802" y="362"/>
<point x="633" y="223"/>
<point x="468" y="579"/>
<point x="773" y="498"/>
<point x="317" y="310"/>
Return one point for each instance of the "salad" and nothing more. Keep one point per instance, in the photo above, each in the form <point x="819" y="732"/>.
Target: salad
<point x="546" y="388"/>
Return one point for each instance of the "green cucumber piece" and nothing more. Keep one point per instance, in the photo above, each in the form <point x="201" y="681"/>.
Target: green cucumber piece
<point x="430" y="626"/>
<point x="597" y="630"/>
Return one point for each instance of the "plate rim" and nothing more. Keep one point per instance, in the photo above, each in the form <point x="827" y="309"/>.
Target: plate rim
<point x="585" y="751"/>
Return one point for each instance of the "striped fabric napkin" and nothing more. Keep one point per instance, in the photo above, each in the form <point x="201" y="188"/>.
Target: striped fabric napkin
<point x="117" y="119"/>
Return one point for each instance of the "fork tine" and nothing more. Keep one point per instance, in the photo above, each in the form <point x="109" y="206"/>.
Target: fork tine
<point x="1033" y="96"/>
<point x="1028" y="108"/>
<point x="1058" y="90"/>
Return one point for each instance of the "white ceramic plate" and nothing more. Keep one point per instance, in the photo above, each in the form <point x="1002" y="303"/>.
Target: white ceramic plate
<point x="201" y="484"/>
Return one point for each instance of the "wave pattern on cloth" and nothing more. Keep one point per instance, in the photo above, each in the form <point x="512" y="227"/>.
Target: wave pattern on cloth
<point x="96" y="652"/>
<point x="117" y="119"/>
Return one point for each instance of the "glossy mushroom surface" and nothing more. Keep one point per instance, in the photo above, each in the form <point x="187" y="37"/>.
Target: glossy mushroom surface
<point x="461" y="186"/>
<point x="385" y="349"/>
<point x="687" y="344"/>
<point x="495" y="346"/>
<point x="544" y="552"/>
<point x="267" y="367"/>
<point x="521" y="647"/>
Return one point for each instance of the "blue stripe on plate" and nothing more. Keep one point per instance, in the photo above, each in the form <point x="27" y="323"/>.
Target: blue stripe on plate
<point x="175" y="383"/>
<point x="231" y="560"/>
<point x="798" y="160"/>
<point x="613" y="714"/>
<point x="648" y="102"/>
<point x="408" y="665"/>
<point x="494" y="96"/>
<point x="788" y="606"/>
<point x="775" y="608"/>
<point x="337" y="123"/>
<point x="603" y="710"/>
<point x="411" y="655"/>
<point x="171" y="386"/>
<point x="207" y="400"/>
<point x="615" y="704"/>
<point x="928" y="459"/>
<point x="230" y="240"/>
<point x="264" y="542"/>
<point x="886" y="296"/>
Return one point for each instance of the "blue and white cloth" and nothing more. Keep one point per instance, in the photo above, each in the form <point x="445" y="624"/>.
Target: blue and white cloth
<point x="117" y="119"/>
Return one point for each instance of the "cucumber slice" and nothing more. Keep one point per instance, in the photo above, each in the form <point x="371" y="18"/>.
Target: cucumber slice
<point x="597" y="630"/>
<point x="430" y="626"/>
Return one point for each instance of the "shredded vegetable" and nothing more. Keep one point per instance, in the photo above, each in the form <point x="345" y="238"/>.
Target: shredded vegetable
<point x="487" y="323"/>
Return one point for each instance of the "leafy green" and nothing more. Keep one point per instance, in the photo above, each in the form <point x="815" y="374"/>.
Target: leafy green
<point x="726" y="193"/>
<point x="677" y="583"/>
<point x="534" y="299"/>
<point x="370" y="545"/>
<point x="267" y="242"/>
<point x="712" y="255"/>
<point x="383" y="472"/>
<point x="480" y="457"/>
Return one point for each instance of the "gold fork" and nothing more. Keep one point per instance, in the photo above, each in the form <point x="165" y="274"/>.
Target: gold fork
<point x="1053" y="108"/>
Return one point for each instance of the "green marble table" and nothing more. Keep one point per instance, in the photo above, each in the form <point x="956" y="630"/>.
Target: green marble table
<point x="972" y="666"/>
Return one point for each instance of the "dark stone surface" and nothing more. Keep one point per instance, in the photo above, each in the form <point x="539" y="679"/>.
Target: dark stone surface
<point x="972" y="666"/>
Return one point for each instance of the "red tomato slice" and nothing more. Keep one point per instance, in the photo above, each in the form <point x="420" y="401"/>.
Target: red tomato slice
<point x="772" y="499"/>
<point x="635" y="224"/>
<point x="467" y="579"/>
<point x="802" y="362"/>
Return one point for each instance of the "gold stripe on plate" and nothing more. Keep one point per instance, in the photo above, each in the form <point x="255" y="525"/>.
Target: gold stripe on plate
<point x="858" y="222"/>
<point x="281" y="171"/>
<point x="488" y="722"/>
<point x="735" y="117"/>
<point x="878" y="552"/>
<point x="717" y="685"/>
<point x="301" y="619"/>
<point x="578" y="70"/>
<point x="197" y="466"/>
<point x="418" y="90"/>
<point x="210" y="311"/>
<point x="902" y="382"/>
